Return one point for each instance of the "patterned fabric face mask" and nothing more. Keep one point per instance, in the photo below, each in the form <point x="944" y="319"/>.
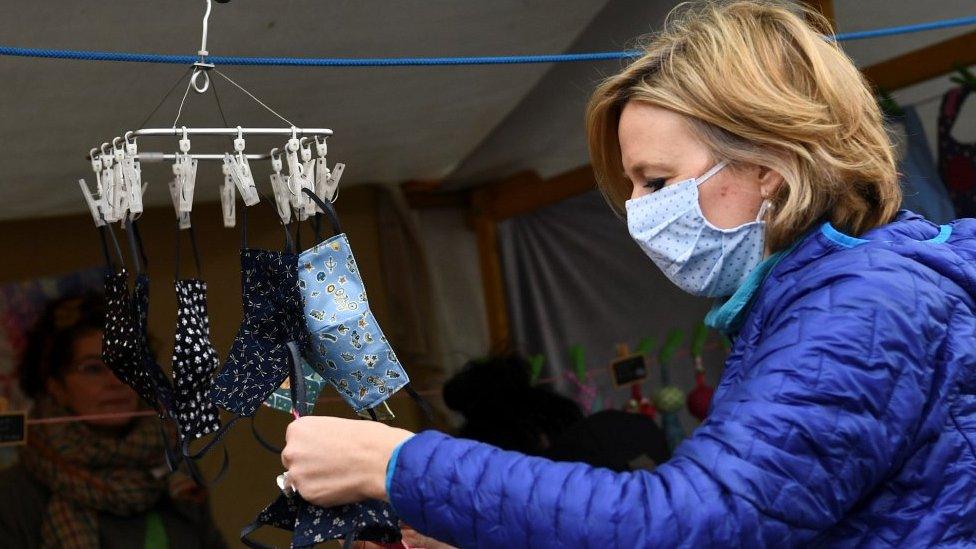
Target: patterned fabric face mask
<point x="282" y="399"/>
<point x="258" y="361"/>
<point x="194" y="357"/>
<point x="119" y="350"/>
<point x="347" y="346"/>
<point x="373" y="521"/>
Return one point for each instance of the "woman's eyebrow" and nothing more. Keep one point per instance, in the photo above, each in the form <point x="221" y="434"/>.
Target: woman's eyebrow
<point x="642" y="166"/>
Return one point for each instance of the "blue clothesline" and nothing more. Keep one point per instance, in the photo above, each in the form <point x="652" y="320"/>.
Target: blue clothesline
<point x="82" y="55"/>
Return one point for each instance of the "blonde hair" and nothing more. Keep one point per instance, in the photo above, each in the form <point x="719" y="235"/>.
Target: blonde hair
<point x="762" y="86"/>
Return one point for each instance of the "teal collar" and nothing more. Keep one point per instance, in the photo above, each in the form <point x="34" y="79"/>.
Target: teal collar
<point x="727" y="316"/>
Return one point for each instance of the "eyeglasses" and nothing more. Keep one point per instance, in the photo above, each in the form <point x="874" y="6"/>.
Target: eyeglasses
<point x="90" y="369"/>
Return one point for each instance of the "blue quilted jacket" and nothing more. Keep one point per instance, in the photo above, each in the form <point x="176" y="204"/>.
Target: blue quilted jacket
<point x="846" y="416"/>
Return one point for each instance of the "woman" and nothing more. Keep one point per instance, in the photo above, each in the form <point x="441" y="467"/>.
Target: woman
<point x="101" y="482"/>
<point x="756" y="165"/>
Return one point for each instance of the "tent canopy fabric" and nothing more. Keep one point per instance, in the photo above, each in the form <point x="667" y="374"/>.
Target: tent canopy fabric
<point x="463" y="126"/>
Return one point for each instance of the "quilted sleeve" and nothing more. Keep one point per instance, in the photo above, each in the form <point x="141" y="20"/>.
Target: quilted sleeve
<point x="826" y="407"/>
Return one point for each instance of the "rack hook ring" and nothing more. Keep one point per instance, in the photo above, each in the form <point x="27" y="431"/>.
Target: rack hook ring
<point x="194" y="81"/>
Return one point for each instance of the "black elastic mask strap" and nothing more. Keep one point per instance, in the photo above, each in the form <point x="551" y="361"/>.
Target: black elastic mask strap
<point x="289" y="244"/>
<point x="425" y="406"/>
<point x="317" y="225"/>
<point x="261" y="440"/>
<point x="198" y="475"/>
<point x="244" y="227"/>
<point x="299" y="394"/>
<point x="193" y="245"/>
<point x="135" y="248"/>
<point x="327" y="209"/>
<point x="102" y="231"/>
<point x="249" y="529"/>
<point x="218" y="435"/>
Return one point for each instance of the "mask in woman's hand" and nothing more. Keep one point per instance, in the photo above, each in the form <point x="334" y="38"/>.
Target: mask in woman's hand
<point x="346" y="345"/>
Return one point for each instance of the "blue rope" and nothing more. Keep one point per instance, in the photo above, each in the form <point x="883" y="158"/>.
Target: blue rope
<point x="417" y="61"/>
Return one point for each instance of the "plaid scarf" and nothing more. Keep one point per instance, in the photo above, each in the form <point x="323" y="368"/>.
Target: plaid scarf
<point x="88" y="472"/>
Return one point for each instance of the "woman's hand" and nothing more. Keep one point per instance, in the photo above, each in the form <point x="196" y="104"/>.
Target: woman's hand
<point x="332" y="461"/>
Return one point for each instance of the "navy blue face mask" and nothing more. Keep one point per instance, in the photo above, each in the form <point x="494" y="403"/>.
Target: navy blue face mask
<point x="258" y="361"/>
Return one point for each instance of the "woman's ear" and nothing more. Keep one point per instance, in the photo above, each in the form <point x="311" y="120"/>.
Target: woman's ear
<point x="769" y="181"/>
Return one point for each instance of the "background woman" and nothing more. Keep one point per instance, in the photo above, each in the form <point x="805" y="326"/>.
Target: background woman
<point x="100" y="482"/>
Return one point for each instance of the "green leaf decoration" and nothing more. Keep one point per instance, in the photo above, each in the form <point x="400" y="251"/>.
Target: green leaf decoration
<point x="671" y="344"/>
<point x="646" y="346"/>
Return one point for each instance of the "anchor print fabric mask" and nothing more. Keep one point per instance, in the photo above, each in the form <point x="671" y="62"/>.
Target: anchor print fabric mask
<point x="346" y="345"/>
<point x="194" y="358"/>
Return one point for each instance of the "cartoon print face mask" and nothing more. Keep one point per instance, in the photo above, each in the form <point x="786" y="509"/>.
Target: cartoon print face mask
<point x="346" y="345"/>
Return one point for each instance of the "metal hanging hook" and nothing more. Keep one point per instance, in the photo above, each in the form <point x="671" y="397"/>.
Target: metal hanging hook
<point x="201" y="67"/>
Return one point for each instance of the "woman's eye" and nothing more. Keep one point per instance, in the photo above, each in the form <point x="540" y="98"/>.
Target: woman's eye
<point x="654" y="184"/>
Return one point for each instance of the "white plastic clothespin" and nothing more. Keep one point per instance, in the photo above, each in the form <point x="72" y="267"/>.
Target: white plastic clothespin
<point x="187" y="176"/>
<point x="279" y="185"/>
<point x="322" y="172"/>
<point x="228" y="198"/>
<point x="121" y="185"/>
<point x="297" y="178"/>
<point x="240" y="171"/>
<point x="107" y="180"/>
<point x="96" y="165"/>
<point x="94" y="205"/>
<point x="174" y="193"/>
<point x="132" y="172"/>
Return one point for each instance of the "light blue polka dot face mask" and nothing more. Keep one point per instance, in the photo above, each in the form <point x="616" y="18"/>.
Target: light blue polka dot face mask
<point x="698" y="257"/>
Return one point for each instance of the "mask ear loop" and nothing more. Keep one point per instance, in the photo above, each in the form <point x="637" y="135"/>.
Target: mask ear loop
<point x="766" y="207"/>
<point x="714" y="170"/>
<point x="327" y="209"/>
<point x="193" y="246"/>
<point x="102" y="231"/>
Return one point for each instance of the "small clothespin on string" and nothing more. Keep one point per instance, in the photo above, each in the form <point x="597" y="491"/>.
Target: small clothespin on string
<point x="280" y="188"/>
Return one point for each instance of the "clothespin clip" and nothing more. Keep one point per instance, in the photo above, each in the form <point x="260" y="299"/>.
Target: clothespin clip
<point x="96" y="165"/>
<point x="132" y="172"/>
<point x="111" y="201"/>
<point x="308" y="174"/>
<point x="322" y="173"/>
<point x="240" y="171"/>
<point x="228" y="198"/>
<point x="174" y="193"/>
<point x="118" y="176"/>
<point x="280" y="187"/>
<point x="187" y="176"/>
<point x="297" y="177"/>
<point x="93" y="204"/>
